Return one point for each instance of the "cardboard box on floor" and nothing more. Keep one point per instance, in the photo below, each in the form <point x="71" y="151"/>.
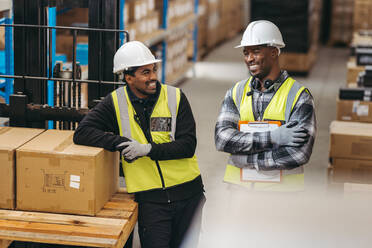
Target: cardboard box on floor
<point x="351" y="140"/>
<point x="352" y="171"/>
<point x="349" y="110"/>
<point x="55" y="175"/>
<point x="11" y="138"/>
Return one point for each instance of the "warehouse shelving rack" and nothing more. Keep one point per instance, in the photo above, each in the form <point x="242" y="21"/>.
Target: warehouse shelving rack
<point x="7" y="84"/>
<point x="166" y="30"/>
<point x="102" y="16"/>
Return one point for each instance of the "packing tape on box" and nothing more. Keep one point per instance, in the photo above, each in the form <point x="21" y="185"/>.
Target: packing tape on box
<point x="4" y="130"/>
<point x="66" y="143"/>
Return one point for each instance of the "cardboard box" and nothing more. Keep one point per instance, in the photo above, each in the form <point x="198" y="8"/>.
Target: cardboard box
<point x="351" y="140"/>
<point x="352" y="171"/>
<point x="12" y="138"/>
<point x="55" y="175"/>
<point x="353" y="71"/>
<point x="137" y="10"/>
<point x="348" y="110"/>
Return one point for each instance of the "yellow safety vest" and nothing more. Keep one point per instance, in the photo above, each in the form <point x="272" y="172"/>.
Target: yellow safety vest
<point x="146" y="174"/>
<point x="279" y="109"/>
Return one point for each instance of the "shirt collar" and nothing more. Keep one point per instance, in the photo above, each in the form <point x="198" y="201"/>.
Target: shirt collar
<point x="278" y="82"/>
<point x="151" y="98"/>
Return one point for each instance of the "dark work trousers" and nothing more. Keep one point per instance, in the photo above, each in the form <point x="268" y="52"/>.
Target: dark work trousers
<point x="166" y="225"/>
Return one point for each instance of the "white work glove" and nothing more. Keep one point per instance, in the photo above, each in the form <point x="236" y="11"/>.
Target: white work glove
<point x="289" y="135"/>
<point x="134" y="149"/>
<point x="239" y="160"/>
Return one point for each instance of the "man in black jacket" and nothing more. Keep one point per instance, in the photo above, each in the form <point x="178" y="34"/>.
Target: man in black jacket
<point x="153" y="127"/>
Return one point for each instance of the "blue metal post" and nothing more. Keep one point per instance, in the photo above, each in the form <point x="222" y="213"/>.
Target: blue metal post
<point x="52" y="21"/>
<point x="9" y="69"/>
<point x="121" y="21"/>
<point x="195" y="34"/>
<point x="164" y="43"/>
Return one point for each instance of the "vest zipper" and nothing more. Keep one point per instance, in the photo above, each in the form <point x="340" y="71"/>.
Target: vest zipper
<point x="156" y="161"/>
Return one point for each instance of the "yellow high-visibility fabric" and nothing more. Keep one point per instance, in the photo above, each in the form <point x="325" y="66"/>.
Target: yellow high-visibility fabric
<point x="143" y="174"/>
<point x="275" y="111"/>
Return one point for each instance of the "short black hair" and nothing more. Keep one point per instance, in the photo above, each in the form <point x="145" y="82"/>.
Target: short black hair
<point x="130" y="71"/>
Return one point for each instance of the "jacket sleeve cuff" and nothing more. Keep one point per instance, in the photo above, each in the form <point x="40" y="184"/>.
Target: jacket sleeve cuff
<point x="262" y="141"/>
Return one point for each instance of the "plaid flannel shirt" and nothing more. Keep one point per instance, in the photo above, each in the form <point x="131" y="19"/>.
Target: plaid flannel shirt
<point x="256" y="149"/>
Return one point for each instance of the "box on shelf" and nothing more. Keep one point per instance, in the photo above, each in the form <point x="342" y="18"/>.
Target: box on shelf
<point x="14" y="137"/>
<point x="55" y="175"/>
<point x="137" y="9"/>
<point x="351" y="140"/>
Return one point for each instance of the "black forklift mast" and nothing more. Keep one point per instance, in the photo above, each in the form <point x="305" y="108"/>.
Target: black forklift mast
<point x="32" y="43"/>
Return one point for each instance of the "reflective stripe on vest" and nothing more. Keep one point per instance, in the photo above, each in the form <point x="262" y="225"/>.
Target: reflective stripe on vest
<point x="143" y="174"/>
<point x="279" y="108"/>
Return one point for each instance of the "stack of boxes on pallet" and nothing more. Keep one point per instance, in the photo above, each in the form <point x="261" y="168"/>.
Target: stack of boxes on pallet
<point x="177" y="61"/>
<point x="351" y="134"/>
<point x="219" y="20"/>
<point x="351" y="152"/>
<point x="180" y="41"/>
<point x="141" y="19"/>
<point x="179" y="11"/>
<point x="361" y="40"/>
<point x="52" y="174"/>
<point x="299" y="23"/>
<point x="341" y="22"/>
<point x="361" y="45"/>
<point x="362" y="15"/>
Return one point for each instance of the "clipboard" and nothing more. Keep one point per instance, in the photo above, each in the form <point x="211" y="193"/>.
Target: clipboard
<point x="252" y="175"/>
<point x="258" y="126"/>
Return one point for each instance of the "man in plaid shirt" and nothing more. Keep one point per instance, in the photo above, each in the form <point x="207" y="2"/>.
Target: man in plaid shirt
<point x="260" y="98"/>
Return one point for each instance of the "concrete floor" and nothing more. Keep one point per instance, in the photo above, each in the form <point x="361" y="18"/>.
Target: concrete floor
<point x="233" y="217"/>
<point x="322" y="216"/>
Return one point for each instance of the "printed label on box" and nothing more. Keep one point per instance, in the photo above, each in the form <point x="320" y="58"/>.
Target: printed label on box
<point x="75" y="178"/>
<point x="362" y="110"/>
<point x="75" y="185"/>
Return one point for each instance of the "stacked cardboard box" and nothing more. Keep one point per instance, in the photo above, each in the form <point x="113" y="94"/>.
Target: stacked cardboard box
<point x="351" y="152"/>
<point x="231" y="18"/>
<point x="12" y="138"/>
<point x="202" y="27"/>
<point x="55" y="175"/>
<point x="362" y="15"/>
<point x="354" y="110"/>
<point x="178" y="10"/>
<point x="142" y="19"/>
<point x="341" y="21"/>
<point x="299" y="23"/>
<point x="176" y="54"/>
<point x="361" y="39"/>
<point x="214" y="22"/>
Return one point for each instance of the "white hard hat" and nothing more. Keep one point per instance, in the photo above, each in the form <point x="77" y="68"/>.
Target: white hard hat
<point x="262" y="33"/>
<point x="133" y="53"/>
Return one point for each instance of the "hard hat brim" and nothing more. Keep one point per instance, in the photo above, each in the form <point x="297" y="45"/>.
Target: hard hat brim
<point x="247" y="45"/>
<point x="137" y="65"/>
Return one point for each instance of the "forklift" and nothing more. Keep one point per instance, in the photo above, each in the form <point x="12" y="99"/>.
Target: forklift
<point x="45" y="94"/>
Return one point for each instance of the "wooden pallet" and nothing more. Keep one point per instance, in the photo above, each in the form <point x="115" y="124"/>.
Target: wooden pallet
<point x="110" y="228"/>
<point x="298" y="62"/>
